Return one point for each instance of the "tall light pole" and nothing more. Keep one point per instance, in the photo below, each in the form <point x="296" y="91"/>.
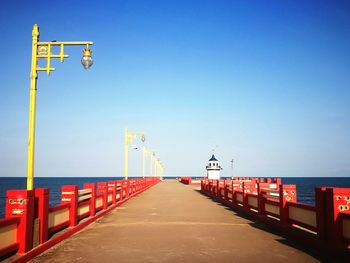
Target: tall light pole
<point x="158" y="169"/>
<point x="161" y="170"/>
<point x="129" y="138"/>
<point x="152" y="162"/>
<point x="42" y="50"/>
<point x="144" y="154"/>
<point x="143" y="161"/>
<point x="232" y="161"/>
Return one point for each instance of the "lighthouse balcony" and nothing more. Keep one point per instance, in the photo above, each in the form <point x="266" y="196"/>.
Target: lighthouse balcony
<point x="213" y="167"/>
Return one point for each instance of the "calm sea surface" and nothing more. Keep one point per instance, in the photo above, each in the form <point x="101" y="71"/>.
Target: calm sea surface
<point x="305" y="186"/>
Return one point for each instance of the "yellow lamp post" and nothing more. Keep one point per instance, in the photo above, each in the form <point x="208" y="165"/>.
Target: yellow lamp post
<point x="161" y="169"/>
<point x="129" y="138"/>
<point x="146" y="152"/>
<point x="42" y="50"/>
<point x="152" y="163"/>
<point x="156" y="166"/>
<point x="143" y="161"/>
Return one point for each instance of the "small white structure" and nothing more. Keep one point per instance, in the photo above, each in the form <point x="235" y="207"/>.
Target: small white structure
<point x="213" y="168"/>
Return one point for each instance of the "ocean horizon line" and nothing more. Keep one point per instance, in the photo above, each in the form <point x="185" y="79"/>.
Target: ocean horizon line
<point x="176" y="176"/>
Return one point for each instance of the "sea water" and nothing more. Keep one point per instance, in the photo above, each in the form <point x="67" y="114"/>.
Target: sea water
<point x="305" y="186"/>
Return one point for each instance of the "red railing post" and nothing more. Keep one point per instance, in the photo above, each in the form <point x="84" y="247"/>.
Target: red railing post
<point x="261" y="205"/>
<point x="42" y="212"/>
<point x="218" y="188"/>
<point x="287" y="193"/>
<point x="119" y="190"/>
<point x="102" y="189"/>
<point x="278" y="181"/>
<point x="225" y="190"/>
<point x="248" y="189"/>
<point x="131" y="187"/>
<point x="69" y="194"/>
<point x="92" y="187"/>
<point x="20" y="203"/>
<point x="123" y="185"/>
<point x="337" y="201"/>
<point x="320" y="206"/>
<point x="244" y="195"/>
<point x="112" y="186"/>
<point x="232" y="193"/>
<point x="127" y="188"/>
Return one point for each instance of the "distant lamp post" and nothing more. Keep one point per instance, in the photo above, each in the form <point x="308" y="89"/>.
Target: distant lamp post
<point x="145" y="153"/>
<point x="157" y="167"/>
<point x="128" y="139"/>
<point x="232" y="161"/>
<point x="42" y="50"/>
<point x="161" y="170"/>
<point x="153" y="164"/>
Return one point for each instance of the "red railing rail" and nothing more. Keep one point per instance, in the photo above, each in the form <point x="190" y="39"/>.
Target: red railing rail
<point x="9" y="242"/>
<point x="28" y="216"/>
<point x="186" y="180"/>
<point x="190" y="181"/>
<point x="326" y="225"/>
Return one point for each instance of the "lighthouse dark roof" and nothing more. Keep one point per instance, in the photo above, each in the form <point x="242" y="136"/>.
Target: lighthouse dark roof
<point x="213" y="158"/>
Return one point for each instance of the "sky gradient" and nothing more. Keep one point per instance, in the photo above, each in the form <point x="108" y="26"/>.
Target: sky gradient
<point x="264" y="82"/>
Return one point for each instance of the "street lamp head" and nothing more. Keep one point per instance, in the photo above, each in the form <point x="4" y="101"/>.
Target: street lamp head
<point x="86" y="60"/>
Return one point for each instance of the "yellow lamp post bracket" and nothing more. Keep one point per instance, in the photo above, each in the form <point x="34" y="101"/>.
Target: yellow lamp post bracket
<point x="43" y="51"/>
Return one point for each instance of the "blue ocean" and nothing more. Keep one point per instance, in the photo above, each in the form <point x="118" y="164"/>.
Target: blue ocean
<point x="305" y="186"/>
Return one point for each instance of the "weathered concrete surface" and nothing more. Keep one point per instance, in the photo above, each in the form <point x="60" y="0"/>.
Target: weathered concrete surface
<point x="172" y="222"/>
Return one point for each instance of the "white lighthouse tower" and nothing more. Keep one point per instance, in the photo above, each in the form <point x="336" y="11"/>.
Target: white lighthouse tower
<point x="213" y="168"/>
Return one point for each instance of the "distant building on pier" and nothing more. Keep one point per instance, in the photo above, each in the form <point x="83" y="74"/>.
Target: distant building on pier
<point x="213" y="168"/>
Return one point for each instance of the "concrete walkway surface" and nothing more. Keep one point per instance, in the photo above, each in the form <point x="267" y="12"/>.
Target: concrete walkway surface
<point x="172" y="222"/>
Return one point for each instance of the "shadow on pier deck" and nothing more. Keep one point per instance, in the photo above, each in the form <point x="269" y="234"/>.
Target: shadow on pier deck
<point x="174" y="223"/>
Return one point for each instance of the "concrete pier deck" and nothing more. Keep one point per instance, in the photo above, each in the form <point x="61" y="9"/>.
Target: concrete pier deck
<point x="172" y="222"/>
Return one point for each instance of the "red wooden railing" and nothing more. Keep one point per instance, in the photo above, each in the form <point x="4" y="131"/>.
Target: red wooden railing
<point x="191" y="181"/>
<point x="325" y="225"/>
<point x="30" y="222"/>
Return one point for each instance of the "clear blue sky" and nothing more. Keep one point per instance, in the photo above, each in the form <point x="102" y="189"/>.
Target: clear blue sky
<point x="268" y="82"/>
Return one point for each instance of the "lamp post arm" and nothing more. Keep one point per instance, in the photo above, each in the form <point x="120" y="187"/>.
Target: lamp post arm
<point x="66" y="43"/>
<point x="44" y="51"/>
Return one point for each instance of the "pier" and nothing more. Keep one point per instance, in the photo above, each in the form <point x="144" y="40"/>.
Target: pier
<point x="173" y="222"/>
<point x="243" y="219"/>
<point x="122" y="103"/>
